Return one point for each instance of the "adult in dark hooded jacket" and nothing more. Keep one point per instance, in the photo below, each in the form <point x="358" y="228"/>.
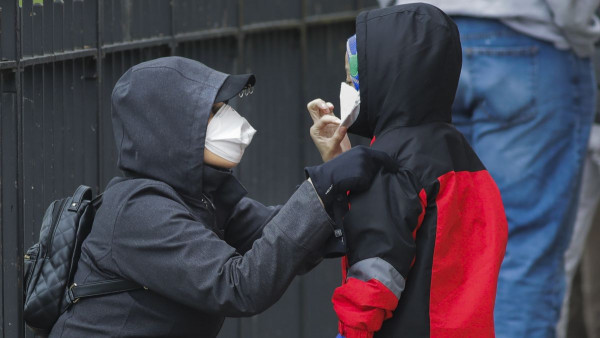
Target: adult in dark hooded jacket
<point x="424" y="244"/>
<point x="184" y="230"/>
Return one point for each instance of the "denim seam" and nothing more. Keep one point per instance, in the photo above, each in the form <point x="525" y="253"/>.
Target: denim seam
<point x="580" y="152"/>
<point x="516" y="50"/>
<point x="489" y="35"/>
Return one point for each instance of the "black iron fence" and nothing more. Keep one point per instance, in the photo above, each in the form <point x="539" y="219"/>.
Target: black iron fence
<point x="59" y="60"/>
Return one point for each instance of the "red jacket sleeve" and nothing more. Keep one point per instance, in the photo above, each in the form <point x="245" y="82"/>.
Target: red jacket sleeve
<point x="362" y="307"/>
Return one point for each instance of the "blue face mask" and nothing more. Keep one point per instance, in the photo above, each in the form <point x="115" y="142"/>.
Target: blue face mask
<point x="353" y="60"/>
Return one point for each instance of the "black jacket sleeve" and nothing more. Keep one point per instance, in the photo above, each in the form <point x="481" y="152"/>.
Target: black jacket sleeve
<point x="158" y="244"/>
<point x="246" y="223"/>
<point x="381" y="222"/>
<point x="380" y="230"/>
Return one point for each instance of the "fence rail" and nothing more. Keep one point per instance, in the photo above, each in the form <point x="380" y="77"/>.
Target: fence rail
<point x="59" y="60"/>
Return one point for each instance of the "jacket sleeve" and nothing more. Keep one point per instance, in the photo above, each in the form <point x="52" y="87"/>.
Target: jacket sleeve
<point x="246" y="223"/>
<point x="158" y="244"/>
<point x="380" y="229"/>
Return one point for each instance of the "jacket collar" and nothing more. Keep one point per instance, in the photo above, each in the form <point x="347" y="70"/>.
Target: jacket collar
<point x="222" y="188"/>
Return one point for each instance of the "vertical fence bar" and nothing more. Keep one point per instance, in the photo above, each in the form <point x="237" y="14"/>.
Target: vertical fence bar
<point x="3" y="205"/>
<point x="302" y="145"/>
<point x="240" y="38"/>
<point x="5" y="136"/>
<point x="172" y="45"/>
<point x="99" y="99"/>
<point x="12" y="195"/>
<point x="20" y="207"/>
<point x="7" y="26"/>
<point x="11" y="232"/>
<point x="47" y="136"/>
<point x="57" y="26"/>
<point x="10" y="205"/>
<point x="26" y="27"/>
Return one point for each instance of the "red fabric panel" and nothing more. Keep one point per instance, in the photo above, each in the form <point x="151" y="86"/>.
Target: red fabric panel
<point x="372" y="141"/>
<point x="344" y="269"/>
<point x="354" y="333"/>
<point x="423" y="199"/>
<point x="470" y="242"/>
<point x="362" y="307"/>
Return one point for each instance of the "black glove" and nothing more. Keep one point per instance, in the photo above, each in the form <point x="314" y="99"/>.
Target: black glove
<point x="353" y="170"/>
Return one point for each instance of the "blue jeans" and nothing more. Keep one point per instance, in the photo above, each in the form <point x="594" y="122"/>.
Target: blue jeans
<point x="526" y="108"/>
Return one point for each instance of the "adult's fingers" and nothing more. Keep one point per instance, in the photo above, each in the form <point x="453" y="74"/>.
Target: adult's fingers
<point x="313" y="109"/>
<point x="345" y="144"/>
<point x="325" y="121"/>
<point x="339" y="134"/>
<point x="318" y="108"/>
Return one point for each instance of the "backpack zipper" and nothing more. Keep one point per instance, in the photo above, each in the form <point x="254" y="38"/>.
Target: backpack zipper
<point x="34" y="260"/>
<point x="53" y="226"/>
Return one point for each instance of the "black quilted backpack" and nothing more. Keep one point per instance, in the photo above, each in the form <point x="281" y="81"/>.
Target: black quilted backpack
<point x="51" y="263"/>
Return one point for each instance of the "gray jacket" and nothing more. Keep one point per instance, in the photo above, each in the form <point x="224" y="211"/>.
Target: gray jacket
<point x="180" y="228"/>
<point x="568" y="24"/>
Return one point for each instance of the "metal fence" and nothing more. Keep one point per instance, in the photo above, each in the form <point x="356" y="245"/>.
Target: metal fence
<point x="59" y="60"/>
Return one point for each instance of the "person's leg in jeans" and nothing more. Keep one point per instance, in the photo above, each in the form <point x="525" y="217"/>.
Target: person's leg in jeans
<point x="590" y="268"/>
<point x="526" y="109"/>
<point x="589" y="197"/>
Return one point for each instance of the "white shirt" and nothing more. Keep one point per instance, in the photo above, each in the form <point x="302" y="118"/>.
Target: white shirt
<point x="568" y="24"/>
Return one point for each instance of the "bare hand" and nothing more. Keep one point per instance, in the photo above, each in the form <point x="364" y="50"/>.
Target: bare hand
<point x="318" y="108"/>
<point x="329" y="138"/>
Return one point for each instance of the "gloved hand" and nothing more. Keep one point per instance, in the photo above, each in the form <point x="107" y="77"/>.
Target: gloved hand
<point x="353" y="170"/>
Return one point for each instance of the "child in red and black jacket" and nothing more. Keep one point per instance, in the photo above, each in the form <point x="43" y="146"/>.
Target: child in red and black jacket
<point x="425" y="244"/>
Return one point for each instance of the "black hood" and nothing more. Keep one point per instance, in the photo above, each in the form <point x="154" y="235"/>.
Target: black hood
<point x="409" y="61"/>
<point x="160" y="111"/>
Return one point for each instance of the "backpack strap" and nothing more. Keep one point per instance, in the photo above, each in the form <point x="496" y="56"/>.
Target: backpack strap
<point x="101" y="288"/>
<point x="82" y="193"/>
<point x="97" y="201"/>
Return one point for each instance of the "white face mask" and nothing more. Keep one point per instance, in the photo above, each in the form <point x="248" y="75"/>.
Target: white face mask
<point x="349" y="104"/>
<point x="228" y="134"/>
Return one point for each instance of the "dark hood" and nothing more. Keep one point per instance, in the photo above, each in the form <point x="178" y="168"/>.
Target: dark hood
<point x="160" y="111"/>
<point x="409" y="61"/>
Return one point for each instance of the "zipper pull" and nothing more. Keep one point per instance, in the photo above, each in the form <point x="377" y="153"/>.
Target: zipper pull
<point x="208" y="203"/>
